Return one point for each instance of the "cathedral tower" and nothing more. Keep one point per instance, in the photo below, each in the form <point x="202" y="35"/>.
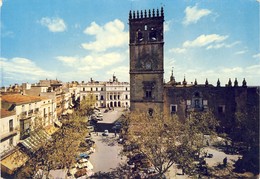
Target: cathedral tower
<point x="146" y="59"/>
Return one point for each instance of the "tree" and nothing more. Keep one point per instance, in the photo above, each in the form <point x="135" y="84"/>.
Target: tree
<point x="165" y="140"/>
<point x="246" y="134"/>
<point x="60" y="151"/>
<point x="87" y="105"/>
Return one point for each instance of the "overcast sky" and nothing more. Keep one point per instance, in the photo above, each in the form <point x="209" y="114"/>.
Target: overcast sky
<point x="74" y="40"/>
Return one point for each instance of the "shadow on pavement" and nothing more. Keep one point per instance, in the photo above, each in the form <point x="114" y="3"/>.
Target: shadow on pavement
<point x="121" y="172"/>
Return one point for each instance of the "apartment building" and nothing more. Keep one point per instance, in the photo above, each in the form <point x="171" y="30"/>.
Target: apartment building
<point x="9" y="131"/>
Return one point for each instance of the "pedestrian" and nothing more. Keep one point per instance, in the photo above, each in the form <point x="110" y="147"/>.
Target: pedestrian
<point x="115" y="133"/>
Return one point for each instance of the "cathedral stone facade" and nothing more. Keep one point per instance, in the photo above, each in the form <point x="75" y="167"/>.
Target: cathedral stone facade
<point x="148" y="91"/>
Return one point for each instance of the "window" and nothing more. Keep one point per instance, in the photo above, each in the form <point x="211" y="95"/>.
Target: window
<point x="11" y="141"/>
<point x="111" y="97"/>
<point x="148" y="94"/>
<point x="197" y="103"/>
<point x="126" y="89"/>
<point x="11" y="125"/>
<point x="173" y="108"/>
<point x="126" y="96"/>
<point x="101" y="97"/>
<point x="114" y="96"/>
<point x="118" y="96"/>
<point x="83" y="89"/>
<point x="101" y="89"/>
<point x="96" y="89"/>
<point x="91" y="89"/>
<point x="139" y="36"/>
<point x="221" y="109"/>
<point x="152" y="34"/>
<point x="96" y="97"/>
<point x="145" y="27"/>
<point x="205" y="102"/>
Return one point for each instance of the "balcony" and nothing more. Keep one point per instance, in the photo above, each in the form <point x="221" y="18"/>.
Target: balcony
<point x="30" y="113"/>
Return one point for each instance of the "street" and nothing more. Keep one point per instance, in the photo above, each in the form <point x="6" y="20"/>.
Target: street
<point x="107" y="150"/>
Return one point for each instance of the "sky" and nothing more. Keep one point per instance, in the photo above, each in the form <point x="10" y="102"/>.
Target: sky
<point x="75" y="40"/>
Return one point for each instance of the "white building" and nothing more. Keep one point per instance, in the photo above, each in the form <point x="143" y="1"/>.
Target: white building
<point x="108" y="94"/>
<point x="9" y="130"/>
<point x="31" y="111"/>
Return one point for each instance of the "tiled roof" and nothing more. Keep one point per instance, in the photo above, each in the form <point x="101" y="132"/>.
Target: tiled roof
<point x="6" y="113"/>
<point x="21" y="99"/>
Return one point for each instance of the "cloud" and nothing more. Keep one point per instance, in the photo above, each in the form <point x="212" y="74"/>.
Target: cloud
<point x="23" y="69"/>
<point x="167" y="26"/>
<point x="258" y="1"/>
<point x="94" y="65"/>
<point x="193" y="14"/>
<point x="54" y="24"/>
<point x="256" y="55"/>
<point x="110" y="35"/>
<point x="241" y="52"/>
<point x="178" y="50"/>
<point x="204" y="40"/>
<point x="121" y="72"/>
<point x="221" y="45"/>
<point x="233" y="70"/>
<point x="69" y="61"/>
<point x="253" y="70"/>
<point x="1" y="3"/>
<point x="92" y="62"/>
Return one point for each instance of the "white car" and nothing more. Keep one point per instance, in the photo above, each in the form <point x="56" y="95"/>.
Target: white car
<point x="105" y="133"/>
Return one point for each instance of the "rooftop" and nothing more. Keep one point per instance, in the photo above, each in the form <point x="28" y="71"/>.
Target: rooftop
<point x="6" y="113"/>
<point x="21" y="99"/>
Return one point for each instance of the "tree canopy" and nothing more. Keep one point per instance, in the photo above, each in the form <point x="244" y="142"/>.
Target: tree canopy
<point x="166" y="140"/>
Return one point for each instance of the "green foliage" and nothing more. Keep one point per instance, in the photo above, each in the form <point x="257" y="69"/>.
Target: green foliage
<point x="59" y="152"/>
<point x="165" y="140"/>
<point x="87" y="105"/>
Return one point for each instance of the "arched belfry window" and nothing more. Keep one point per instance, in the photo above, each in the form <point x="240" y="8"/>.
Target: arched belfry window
<point x="152" y="35"/>
<point x="139" y="35"/>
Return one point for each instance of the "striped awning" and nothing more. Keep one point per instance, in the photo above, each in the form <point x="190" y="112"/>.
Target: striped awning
<point x="36" y="139"/>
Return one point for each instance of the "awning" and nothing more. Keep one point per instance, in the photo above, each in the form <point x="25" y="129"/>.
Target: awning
<point x="13" y="161"/>
<point x="51" y="129"/>
<point x="58" y="123"/>
<point x="36" y="139"/>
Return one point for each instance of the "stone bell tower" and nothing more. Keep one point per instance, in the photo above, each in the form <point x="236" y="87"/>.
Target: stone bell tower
<point x="146" y="60"/>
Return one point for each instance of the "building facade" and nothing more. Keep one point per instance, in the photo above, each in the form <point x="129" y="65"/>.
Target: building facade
<point x="107" y="94"/>
<point x="148" y="91"/>
<point x="9" y="131"/>
<point x="146" y="46"/>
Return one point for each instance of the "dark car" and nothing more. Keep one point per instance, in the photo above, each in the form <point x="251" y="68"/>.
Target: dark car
<point x="136" y="158"/>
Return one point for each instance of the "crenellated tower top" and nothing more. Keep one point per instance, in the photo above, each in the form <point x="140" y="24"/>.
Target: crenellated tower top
<point x="143" y="14"/>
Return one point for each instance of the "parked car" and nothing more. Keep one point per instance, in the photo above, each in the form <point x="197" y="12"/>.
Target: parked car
<point x="105" y="133"/>
<point x="90" y="128"/>
<point x="99" y="118"/>
<point x="84" y="155"/>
